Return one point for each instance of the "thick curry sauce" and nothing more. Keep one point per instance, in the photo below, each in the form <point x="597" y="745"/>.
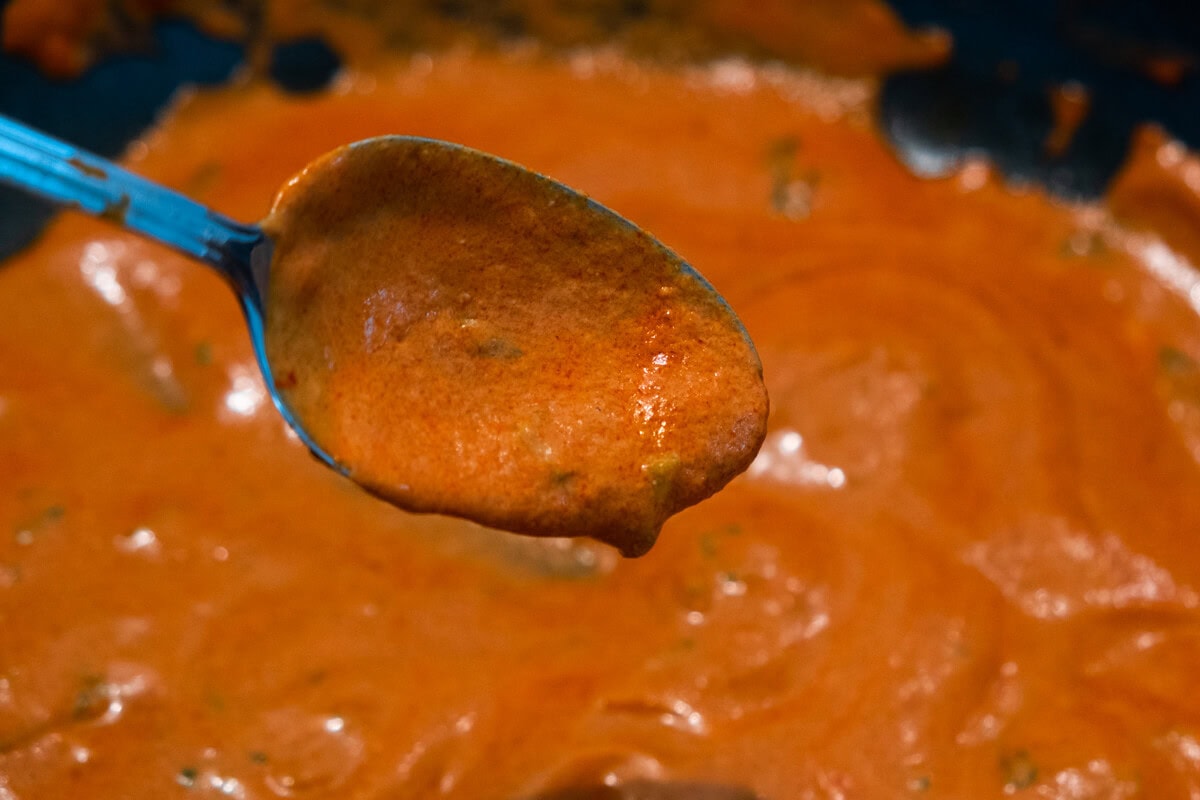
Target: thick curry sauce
<point x="963" y="565"/>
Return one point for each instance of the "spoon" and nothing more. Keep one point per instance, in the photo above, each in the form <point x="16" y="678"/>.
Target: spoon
<point x="460" y="335"/>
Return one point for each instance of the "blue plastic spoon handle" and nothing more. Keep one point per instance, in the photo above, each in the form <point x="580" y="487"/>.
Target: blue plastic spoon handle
<point x="61" y="173"/>
<point x="50" y="168"/>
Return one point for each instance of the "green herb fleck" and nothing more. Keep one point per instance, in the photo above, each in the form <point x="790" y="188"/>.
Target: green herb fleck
<point x="26" y="533"/>
<point x="187" y="777"/>
<point x="1018" y="770"/>
<point x="782" y="151"/>
<point x="662" y="471"/>
<point x="497" y="348"/>
<point x="215" y="701"/>
<point x="203" y="353"/>
<point x="710" y="541"/>
<point x="791" y="196"/>
<point x="1175" y="362"/>
<point x="258" y="757"/>
<point x="92" y="698"/>
<point x="920" y="784"/>
<point x="562" y="478"/>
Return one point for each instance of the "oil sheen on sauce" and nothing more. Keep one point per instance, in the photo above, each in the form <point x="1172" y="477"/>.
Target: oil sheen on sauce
<point x="468" y="338"/>
<point x="963" y="564"/>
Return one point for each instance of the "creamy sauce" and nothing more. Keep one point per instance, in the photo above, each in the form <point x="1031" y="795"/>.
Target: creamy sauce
<point x="465" y="337"/>
<point x="963" y="564"/>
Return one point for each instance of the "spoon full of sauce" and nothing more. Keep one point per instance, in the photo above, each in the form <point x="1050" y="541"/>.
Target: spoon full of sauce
<point x="460" y="335"/>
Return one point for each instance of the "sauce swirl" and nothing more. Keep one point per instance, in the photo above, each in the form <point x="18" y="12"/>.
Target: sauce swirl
<point x="963" y="564"/>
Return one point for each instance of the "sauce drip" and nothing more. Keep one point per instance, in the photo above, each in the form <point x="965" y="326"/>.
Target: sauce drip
<point x="468" y="338"/>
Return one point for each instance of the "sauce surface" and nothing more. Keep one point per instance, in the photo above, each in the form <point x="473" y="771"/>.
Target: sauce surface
<point x="466" y="337"/>
<point x="962" y="565"/>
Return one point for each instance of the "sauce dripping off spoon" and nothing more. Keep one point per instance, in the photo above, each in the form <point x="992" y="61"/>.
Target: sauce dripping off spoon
<point x="460" y="335"/>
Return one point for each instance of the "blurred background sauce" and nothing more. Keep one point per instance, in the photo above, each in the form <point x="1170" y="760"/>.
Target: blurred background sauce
<point x="963" y="236"/>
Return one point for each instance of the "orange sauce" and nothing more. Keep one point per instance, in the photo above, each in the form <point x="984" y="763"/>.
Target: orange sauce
<point x="963" y="565"/>
<point x="466" y="337"/>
